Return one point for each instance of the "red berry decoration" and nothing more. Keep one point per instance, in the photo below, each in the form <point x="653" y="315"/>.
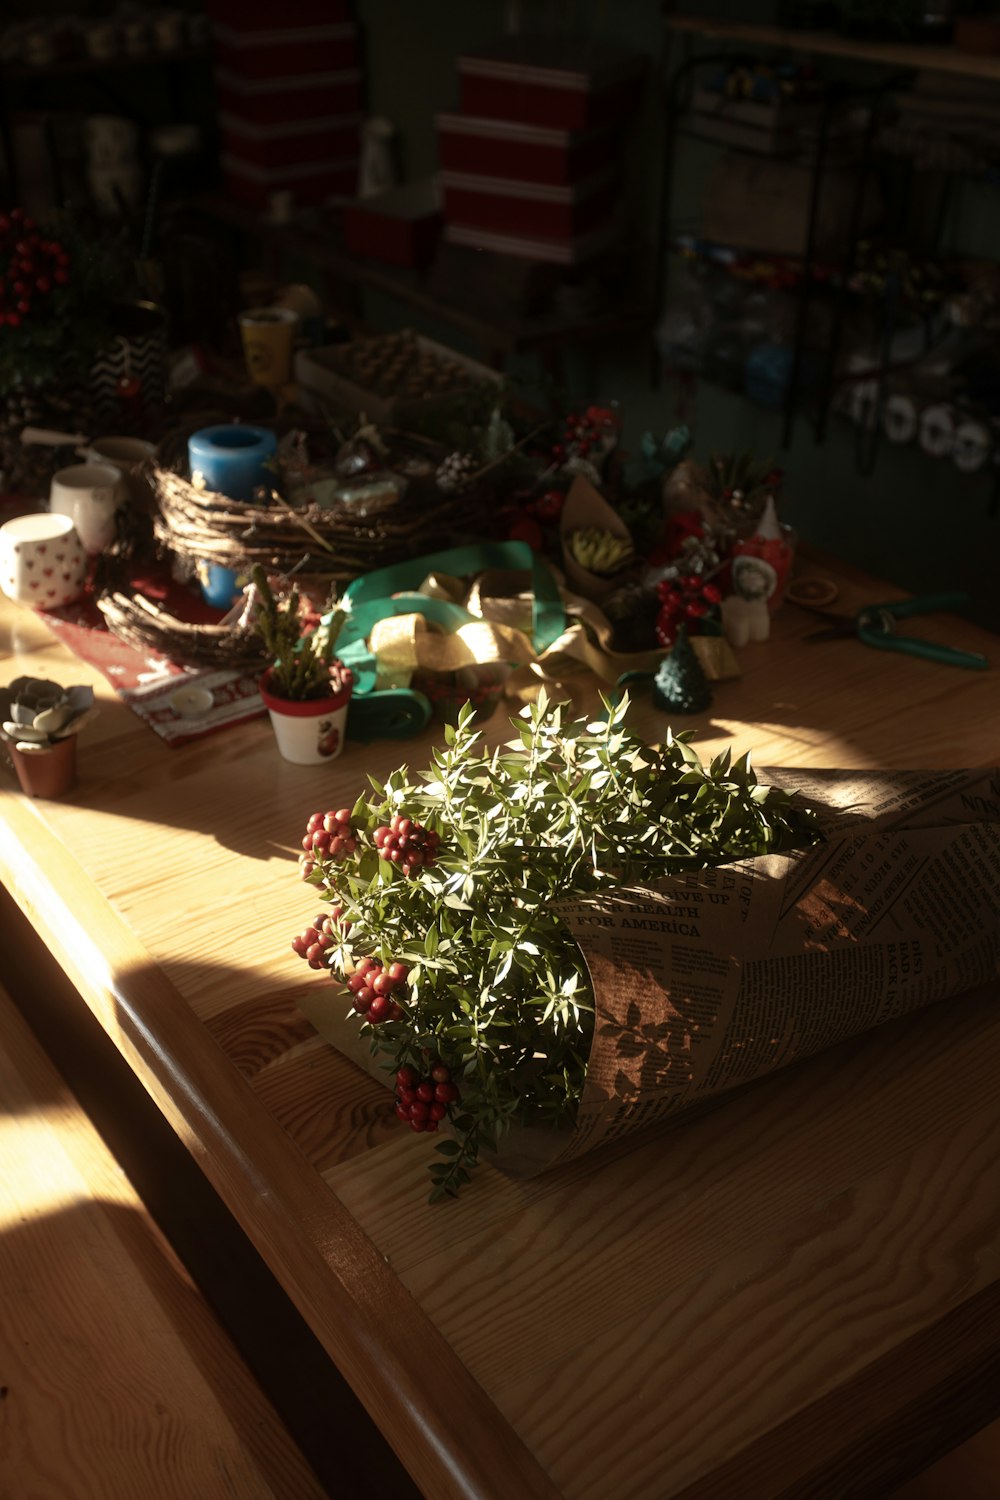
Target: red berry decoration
<point x="419" y="1101"/>
<point x="329" y="835"/>
<point x="548" y="507"/>
<point x="684" y="601"/>
<point x="312" y="943"/>
<point x="375" y="988"/>
<point x="407" y="843"/>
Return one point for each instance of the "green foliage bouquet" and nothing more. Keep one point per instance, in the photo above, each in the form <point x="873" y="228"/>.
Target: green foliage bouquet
<point x="445" y="891"/>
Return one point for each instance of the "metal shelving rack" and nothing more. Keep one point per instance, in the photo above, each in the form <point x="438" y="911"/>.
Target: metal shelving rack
<point x="909" y="57"/>
<point x="746" y="41"/>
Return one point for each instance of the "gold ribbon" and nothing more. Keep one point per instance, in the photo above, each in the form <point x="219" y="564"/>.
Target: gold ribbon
<point x="403" y="644"/>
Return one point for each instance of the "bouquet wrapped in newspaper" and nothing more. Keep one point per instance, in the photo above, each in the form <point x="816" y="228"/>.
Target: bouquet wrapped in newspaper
<point x="564" y="940"/>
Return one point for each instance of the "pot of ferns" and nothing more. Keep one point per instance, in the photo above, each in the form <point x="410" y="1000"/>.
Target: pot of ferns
<point x="306" y="689"/>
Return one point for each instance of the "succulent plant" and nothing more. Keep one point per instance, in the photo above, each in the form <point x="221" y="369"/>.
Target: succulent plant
<point x="35" y="713"/>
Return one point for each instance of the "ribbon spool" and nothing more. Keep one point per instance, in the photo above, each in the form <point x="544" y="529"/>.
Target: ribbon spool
<point x="383" y="711"/>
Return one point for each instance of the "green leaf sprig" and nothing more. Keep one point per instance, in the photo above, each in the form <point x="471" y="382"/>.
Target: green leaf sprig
<point x="497" y="988"/>
<point x="303" y="663"/>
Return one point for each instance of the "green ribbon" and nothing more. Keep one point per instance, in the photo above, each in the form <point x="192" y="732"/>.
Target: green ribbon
<point x="548" y="615"/>
<point x="396" y="713"/>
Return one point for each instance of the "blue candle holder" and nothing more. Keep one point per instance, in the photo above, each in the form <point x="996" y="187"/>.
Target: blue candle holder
<point x="231" y="460"/>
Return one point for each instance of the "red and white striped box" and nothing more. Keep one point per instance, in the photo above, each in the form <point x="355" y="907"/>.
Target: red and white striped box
<point x="287" y="51"/>
<point x="526" y="153"/>
<point x="259" y="15"/>
<point x="279" y="101"/>
<point x="562" y="252"/>
<point x="559" y="83"/>
<point x="310" y="183"/>
<point x="294" y="143"/>
<point x="529" y="209"/>
<point x="399" y="227"/>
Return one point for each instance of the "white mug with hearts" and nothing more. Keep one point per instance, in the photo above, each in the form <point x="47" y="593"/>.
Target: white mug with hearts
<point x="90" y="495"/>
<point x="42" y="561"/>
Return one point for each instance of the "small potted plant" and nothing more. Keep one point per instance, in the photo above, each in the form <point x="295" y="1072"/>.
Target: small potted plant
<point x="39" y="723"/>
<point x="306" y="689"/>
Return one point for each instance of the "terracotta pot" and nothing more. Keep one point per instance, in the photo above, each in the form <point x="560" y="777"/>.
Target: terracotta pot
<point x="308" y="730"/>
<point x="48" y="773"/>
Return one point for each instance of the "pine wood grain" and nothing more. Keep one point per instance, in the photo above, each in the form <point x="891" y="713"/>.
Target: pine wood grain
<point x="445" y="1431"/>
<point x="714" y="1305"/>
<point x="734" y="1253"/>
<point x="971" y="1472"/>
<point x="115" y="1380"/>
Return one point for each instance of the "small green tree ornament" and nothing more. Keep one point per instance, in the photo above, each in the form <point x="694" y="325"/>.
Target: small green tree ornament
<point x="680" y="686"/>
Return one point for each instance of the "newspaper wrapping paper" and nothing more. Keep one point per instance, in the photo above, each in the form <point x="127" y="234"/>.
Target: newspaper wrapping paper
<point x="708" y="980"/>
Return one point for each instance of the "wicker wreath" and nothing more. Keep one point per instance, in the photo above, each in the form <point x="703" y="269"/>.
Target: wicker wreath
<point x="143" y="623"/>
<point x="200" y="526"/>
<point x="326" y="548"/>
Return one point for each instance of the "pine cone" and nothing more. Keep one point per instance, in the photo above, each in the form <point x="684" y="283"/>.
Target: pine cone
<point x="454" y="473"/>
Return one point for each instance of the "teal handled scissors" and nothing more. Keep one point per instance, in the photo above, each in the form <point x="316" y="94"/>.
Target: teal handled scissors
<point x="875" y="625"/>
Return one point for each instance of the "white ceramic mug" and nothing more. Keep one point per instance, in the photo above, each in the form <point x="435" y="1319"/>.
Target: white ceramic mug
<point x="90" y="495"/>
<point x="128" y="454"/>
<point x="42" y="560"/>
<point x="121" y="452"/>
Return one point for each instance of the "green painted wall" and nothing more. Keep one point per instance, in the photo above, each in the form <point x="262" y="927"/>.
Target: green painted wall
<point x="915" y="520"/>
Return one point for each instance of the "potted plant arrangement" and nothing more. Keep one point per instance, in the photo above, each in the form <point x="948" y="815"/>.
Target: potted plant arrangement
<point x="39" y="722"/>
<point x="306" y="689"/>
<point x="444" y="890"/>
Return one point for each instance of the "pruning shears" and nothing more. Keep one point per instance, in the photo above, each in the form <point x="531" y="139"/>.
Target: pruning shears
<point x="875" y="625"/>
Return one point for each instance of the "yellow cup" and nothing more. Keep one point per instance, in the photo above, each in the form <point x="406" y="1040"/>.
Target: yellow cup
<point x="267" y="343"/>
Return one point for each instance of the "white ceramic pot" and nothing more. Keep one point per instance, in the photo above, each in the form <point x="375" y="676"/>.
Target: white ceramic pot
<point x="131" y="455"/>
<point x="42" y="561"/>
<point x="308" y="731"/>
<point x="90" y="495"/>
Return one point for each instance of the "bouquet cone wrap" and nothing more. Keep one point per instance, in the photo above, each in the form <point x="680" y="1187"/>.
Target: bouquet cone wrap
<point x="708" y="980"/>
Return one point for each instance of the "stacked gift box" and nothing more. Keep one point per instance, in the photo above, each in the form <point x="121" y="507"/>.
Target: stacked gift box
<point x="531" y="162"/>
<point x="289" y="89"/>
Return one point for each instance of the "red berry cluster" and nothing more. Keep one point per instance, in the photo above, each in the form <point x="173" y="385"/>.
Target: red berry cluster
<point x="328" y="835"/>
<point x="30" y="266"/>
<point x="407" y="843"/>
<point x="682" y="601"/>
<point x="585" y="431"/>
<point x="313" y="942"/>
<point x="547" y="506"/>
<point x="423" y="1102"/>
<point x="374" y="987"/>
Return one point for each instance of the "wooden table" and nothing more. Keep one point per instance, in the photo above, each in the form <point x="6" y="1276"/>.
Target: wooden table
<point x="797" y="1294"/>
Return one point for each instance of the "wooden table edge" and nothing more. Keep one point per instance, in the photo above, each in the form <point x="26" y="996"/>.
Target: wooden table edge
<point x="447" y="1432"/>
